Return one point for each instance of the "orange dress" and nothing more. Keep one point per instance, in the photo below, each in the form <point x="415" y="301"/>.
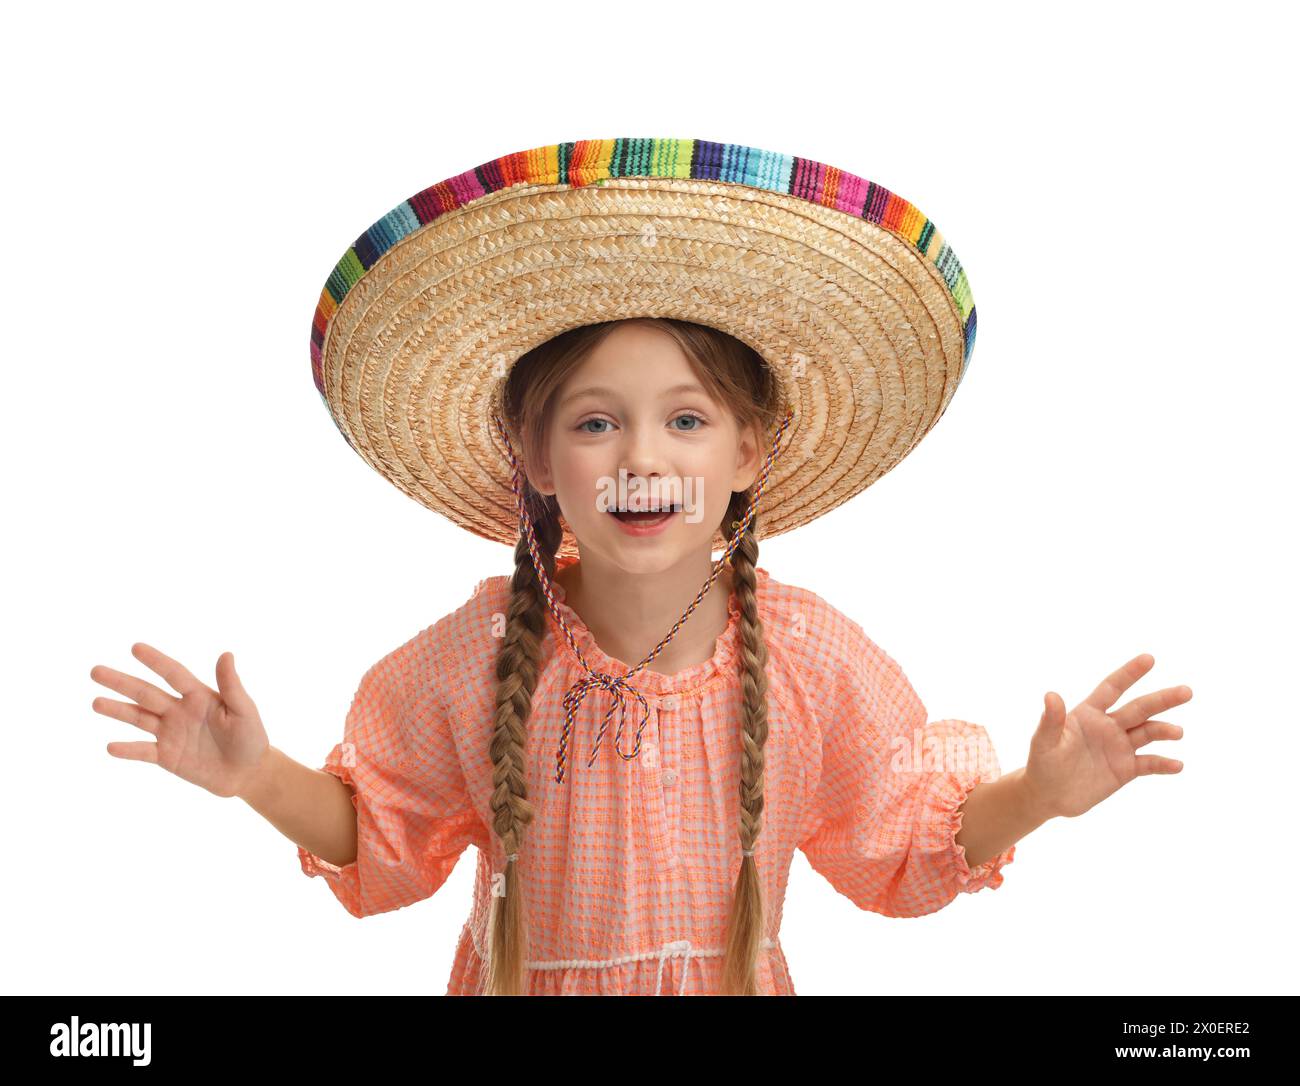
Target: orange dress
<point x="629" y="865"/>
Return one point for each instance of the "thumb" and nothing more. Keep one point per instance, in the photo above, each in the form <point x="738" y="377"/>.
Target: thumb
<point x="232" y="689"/>
<point x="1053" y="713"/>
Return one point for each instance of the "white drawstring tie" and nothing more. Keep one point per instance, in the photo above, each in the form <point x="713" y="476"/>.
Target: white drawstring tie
<point x="670" y="950"/>
<point x="677" y="948"/>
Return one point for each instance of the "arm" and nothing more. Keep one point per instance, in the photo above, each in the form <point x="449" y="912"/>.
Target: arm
<point x="996" y="815"/>
<point x="1075" y="761"/>
<point x="216" y="739"/>
<point x="312" y="808"/>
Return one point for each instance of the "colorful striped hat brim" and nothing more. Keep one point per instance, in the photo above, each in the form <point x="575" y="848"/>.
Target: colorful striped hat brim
<point x="850" y="294"/>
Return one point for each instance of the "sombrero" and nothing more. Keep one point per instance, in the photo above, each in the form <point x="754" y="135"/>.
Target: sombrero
<point x="848" y="292"/>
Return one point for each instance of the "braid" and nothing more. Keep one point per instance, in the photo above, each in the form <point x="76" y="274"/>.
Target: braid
<point x="518" y="665"/>
<point x="745" y="924"/>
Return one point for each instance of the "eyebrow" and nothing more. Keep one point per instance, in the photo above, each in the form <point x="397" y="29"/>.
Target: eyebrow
<point x="676" y="390"/>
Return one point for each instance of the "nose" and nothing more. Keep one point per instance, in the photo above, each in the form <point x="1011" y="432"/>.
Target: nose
<point x="644" y="454"/>
<point x="646" y="464"/>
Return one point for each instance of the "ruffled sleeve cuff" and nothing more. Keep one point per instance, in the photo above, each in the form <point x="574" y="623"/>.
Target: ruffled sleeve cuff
<point x="945" y="798"/>
<point x="406" y="849"/>
<point x="344" y="882"/>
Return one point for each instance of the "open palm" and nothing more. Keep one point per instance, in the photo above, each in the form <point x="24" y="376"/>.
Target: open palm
<point x="212" y="738"/>
<point x="1078" y="759"/>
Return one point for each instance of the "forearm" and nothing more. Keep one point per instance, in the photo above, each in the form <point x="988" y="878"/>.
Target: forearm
<point x="996" y="815"/>
<point x="309" y="806"/>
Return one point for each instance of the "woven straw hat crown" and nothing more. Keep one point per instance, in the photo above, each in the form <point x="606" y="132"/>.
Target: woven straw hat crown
<point x="850" y="295"/>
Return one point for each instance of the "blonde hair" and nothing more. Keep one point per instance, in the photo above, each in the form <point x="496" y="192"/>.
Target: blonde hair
<point x="736" y="376"/>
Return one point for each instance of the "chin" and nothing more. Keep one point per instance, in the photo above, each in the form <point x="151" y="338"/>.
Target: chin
<point x="642" y="555"/>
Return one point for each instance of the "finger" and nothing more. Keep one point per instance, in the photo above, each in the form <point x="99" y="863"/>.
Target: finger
<point x="1145" y="764"/>
<point x="157" y="701"/>
<point x="231" y="687"/>
<point x="1145" y="707"/>
<point x="135" y="752"/>
<point x="1152" y="731"/>
<point x="1053" y="719"/>
<point x="1116" y="683"/>
<point x="177" y="675"/>
<point x="132" y="714"/>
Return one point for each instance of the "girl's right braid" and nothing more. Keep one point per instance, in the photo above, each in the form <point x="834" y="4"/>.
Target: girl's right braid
<point x="518" y="666"/>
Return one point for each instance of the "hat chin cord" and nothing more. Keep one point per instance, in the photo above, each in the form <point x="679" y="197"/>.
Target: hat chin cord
<point x="618" y="686"/>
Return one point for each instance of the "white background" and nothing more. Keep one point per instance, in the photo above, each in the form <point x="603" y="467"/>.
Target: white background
<point x="1114" y="477"/>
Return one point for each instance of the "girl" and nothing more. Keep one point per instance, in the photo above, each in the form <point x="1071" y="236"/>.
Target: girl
<point x="617" y="335"/>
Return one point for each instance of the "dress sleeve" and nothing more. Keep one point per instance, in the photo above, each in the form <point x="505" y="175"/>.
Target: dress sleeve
<point x="414" y="817"/>
<point x="886" y="815"/>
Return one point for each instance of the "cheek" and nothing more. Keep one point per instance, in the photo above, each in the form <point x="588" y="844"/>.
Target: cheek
<point x="714" y="463"/>
<point x="577" y="471"/>
<point x="711" y="471"/>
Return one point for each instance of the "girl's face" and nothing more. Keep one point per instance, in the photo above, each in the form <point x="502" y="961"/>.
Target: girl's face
<point x="634" y="428"/>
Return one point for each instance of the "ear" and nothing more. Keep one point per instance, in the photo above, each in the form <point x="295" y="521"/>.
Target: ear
<point x="749" y="459"/>
<point x="540" y="478"/>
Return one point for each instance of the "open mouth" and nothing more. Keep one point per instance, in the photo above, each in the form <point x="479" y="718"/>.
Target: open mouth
<point x="650" y="516"/>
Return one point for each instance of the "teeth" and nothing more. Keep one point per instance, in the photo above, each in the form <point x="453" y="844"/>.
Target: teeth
<point x="650" y="509"/>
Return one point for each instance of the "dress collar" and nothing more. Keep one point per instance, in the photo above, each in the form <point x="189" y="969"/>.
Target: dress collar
<point x="721" y="666"/>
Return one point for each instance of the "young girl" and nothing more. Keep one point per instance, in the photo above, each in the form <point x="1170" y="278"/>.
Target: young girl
<point x="595" y="351"/>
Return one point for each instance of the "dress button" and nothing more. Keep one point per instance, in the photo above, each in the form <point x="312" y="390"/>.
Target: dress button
<point x="671" y="776"/>
<point x="650" y="752"/>
<point x="669" y="702"/>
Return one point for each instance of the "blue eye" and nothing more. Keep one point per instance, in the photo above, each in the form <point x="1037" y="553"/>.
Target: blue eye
<point x="697" y="419"/>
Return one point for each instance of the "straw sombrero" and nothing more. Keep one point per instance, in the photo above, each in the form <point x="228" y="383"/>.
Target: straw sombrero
<point x="847" y="291"/>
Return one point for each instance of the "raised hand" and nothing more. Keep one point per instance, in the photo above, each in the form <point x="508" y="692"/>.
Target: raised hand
<point x="1078" y="759"/>
<point x="212" y="738"/>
